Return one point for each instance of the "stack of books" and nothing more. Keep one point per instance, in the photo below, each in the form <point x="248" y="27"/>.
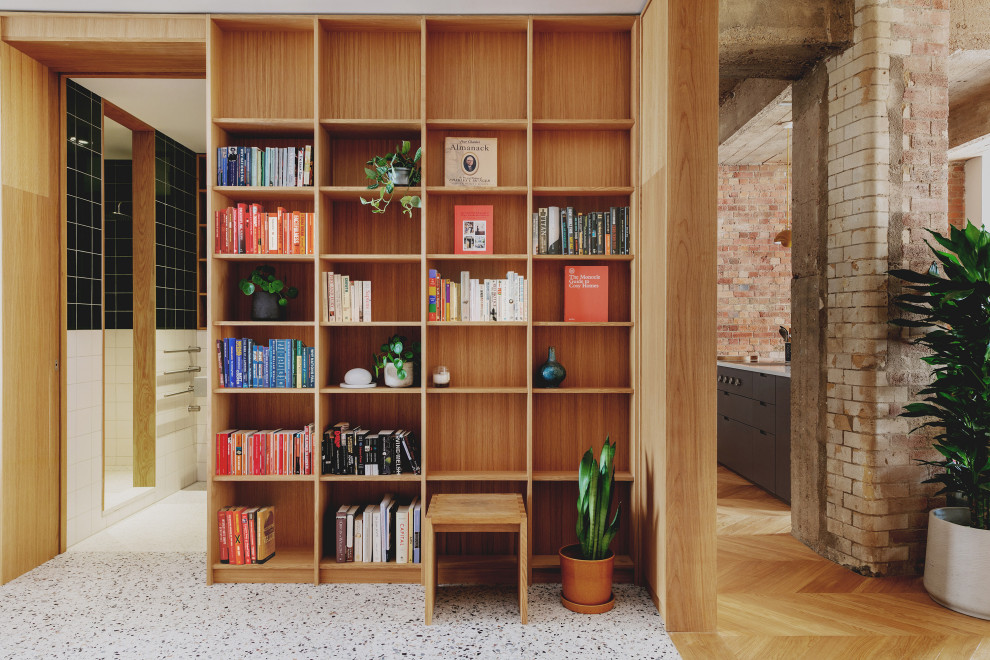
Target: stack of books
<point x="470" y="299"/>
<point x="268" y="166"/>
<point x="251" y="452"/>
<point x="248" y="229"/>
<point x="345" y="300"/>
<point x="559" y="230"/>
<point x="354" y="450"/>
<point x="247" y="534"/>
<point x="282" y="363"/>
<point x="383" y="532"/>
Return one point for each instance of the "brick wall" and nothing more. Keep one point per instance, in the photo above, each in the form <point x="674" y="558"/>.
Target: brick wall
<point x="888" y="181"/>
<point x="754" y="274"/>
<point x="957" y="194"/>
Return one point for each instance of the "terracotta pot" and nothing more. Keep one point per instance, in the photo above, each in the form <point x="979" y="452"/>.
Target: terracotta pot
<point x="957" y="562"/>
<point x="585" y="582"/>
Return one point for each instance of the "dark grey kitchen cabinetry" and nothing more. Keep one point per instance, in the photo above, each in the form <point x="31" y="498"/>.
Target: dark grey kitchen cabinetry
<point x="754" y="427"/>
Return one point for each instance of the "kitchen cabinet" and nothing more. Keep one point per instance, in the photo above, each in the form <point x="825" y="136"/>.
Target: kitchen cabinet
<point x="754" y="424"/>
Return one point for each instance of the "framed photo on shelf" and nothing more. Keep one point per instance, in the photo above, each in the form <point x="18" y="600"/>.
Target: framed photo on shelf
<point x="473" y="229"/>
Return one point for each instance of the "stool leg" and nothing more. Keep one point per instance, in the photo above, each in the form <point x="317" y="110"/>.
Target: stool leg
<point x="430" y="566"/>
<point x="523" y="573"/>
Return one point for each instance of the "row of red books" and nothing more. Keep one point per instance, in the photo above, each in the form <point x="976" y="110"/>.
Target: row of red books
<point x="281" y="451"/>
<point x="249" y="229"/>
<point x="246" y="534"/>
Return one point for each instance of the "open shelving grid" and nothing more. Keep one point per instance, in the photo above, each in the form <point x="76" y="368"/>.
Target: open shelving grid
<point x="559" y="93"/>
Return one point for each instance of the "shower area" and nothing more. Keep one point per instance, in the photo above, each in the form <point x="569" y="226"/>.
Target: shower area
<point x="135" y="360"/>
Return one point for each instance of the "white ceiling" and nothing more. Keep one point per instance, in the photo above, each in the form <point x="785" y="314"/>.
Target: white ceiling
<point x="177" y="108"/>
<point x="334" y="6"/>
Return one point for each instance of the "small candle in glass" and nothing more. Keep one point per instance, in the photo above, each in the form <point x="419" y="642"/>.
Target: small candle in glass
<point x="441" y="377"/>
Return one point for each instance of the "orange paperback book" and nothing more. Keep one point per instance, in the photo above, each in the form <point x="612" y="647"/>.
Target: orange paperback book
<point x="586" y="293"/>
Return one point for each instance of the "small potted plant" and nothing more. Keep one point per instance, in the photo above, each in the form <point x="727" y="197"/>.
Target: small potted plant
<point x="391" y="170"/>
<point x="586" y="567"/>
<point x="954" y="308"/>
<point x="397" y="361"/>
<point x="270" y="295"/>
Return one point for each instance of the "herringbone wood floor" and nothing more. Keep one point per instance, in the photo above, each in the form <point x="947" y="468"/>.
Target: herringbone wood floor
<point x="779" y="599"/>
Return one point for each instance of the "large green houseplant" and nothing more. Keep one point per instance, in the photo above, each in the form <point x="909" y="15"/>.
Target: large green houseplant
<point x="951" y="302"/>
<point x="394" y="169"/>
<point x="586" y="567"/>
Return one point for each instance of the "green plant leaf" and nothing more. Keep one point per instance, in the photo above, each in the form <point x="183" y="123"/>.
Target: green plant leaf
<point x="247" y="288"/>
<point x="291" y="292"/>
<point x="405" y="147"/>
<point x="283" y="302"/>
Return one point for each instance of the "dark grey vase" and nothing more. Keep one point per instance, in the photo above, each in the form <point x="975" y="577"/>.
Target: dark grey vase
<point x="551" y="373"/>
<point x="264" y="306"/>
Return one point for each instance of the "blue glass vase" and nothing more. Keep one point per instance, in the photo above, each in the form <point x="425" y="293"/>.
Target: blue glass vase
<point x="551" y="372"/>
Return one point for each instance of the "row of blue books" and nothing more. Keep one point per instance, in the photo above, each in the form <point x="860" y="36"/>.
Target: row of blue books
<point x="282" y="363"/>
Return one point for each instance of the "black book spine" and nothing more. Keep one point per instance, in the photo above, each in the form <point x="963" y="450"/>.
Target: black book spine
<point x="626" y="215"/>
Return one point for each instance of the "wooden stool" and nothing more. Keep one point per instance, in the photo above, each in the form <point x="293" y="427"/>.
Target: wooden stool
<point x="473" y="513"/>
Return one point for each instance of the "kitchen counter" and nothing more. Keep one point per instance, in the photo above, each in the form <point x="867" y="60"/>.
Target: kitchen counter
<point x="771" y="368"/>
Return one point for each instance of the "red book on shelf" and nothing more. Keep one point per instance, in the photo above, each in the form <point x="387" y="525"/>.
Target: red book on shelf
<point x="222" y="533"/>
<point x="473" y="229"/>
<point x="586" y="293"/>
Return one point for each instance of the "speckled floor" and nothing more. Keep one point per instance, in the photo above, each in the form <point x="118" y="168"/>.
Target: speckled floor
<point x="85" y="604"/>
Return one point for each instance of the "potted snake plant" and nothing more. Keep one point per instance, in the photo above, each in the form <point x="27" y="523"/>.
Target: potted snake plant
<point x="586" y="567"/>
<point x="951" y="302"/>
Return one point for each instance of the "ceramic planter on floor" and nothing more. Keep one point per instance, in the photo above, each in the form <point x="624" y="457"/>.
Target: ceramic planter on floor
<point x="587" y="584"/>
<point x="957" y="564"/>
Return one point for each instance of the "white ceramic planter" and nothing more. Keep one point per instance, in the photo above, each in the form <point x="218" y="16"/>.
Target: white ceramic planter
<point x="957" y="564"/>
<point x="392" y="377"/>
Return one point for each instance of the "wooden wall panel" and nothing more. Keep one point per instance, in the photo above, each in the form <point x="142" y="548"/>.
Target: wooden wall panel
<point x="30" y="468"/>
<point x="679" y="164"/>
<point x="144" y="390"/>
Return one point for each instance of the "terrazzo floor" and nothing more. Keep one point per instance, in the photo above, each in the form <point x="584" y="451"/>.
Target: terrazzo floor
<point x="143" y="604"/>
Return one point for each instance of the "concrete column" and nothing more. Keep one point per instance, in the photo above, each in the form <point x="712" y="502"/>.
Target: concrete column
<point x="809" y="288"/>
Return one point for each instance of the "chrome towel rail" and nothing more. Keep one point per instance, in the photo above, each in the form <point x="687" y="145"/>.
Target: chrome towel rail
<point x="185" y="391"/>
<point x="191" y="349"/>
<point x="183" y="371"/>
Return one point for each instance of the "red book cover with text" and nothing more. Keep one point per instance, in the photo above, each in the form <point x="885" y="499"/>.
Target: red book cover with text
<point x="586" y="293"/>
<point x="473" y="229"/>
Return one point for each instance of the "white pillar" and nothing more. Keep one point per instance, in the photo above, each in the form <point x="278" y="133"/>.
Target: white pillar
<point x="977" y="187"/>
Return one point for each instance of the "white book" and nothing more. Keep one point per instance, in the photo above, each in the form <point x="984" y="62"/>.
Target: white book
<point x="366" y="294"/>
<point x="386" y="502"/>
<point x="536" y="233"/>
<point x="367" y="554"/>
<point x="351" y="512"/>
<point x="357" y="300"/>
<point x="553" y="230"/>
<point x="332" y="293"/>
<point x="338" y="298"/>
<point x="359" y="536"/>
<point x="465" y="290"/>
<point x="345" y="290"/>
<point x="376" y="532"/>
<point x="402" y="534"/>
<point x="477" y="300"/>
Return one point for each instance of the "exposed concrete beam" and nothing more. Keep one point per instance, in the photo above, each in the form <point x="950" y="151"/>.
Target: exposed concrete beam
<point x="970" y="25"/>
<point x="773" y="39"/>
<point x="969" y="125"/>
<point x="745" y="101"/>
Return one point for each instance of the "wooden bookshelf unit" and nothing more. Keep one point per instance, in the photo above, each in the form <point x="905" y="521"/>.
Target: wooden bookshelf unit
<point x="561" y="96"/>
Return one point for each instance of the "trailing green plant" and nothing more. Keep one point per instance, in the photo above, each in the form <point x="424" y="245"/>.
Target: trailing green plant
<point x="954" y="305"/>
<point x="596" y="486"/>
<point x="380" y="171"/>
<point x="396" y="351"/>
<point x="263" y="277"/>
